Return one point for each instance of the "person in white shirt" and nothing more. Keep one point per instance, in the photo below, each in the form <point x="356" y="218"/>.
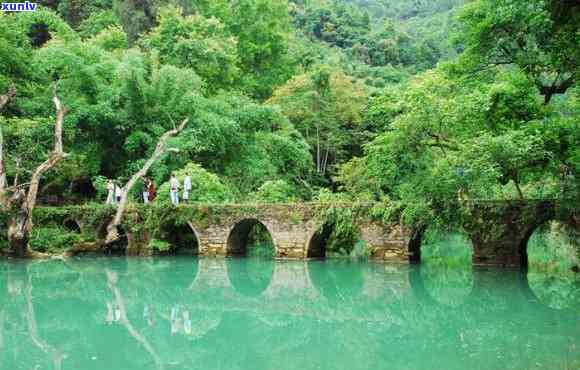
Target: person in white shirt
<point x="145" y="189"/>
<point x="186" y="188"/>
<point x="110" y="192"/>
<point x="174" y="190"/>
<point x="118" y="193"/>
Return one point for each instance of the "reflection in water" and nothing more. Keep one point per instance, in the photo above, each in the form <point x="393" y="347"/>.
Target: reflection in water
<point x="249" y="277"/>
<point x="122" y="317"/>
<point x="448" y="248"/>
<point x="553" y="247"/>
<point x="336" y="280"/>
<point x="447" y="285"/>
<point x="56" y="355"/>
<point x="153" y="314"/>
<point x="558" y="291"/>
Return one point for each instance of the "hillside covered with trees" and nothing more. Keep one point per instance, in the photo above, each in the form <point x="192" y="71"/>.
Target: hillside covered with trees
<point x="414" y="103"/>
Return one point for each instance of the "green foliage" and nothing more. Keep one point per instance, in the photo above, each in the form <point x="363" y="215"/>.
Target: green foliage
<point x="356" y="101"/>
<point x="325" y="107"/>
<point x="540" y="37"/>
<point x="447" y="139"/>
<point x="206" y="186"/>
<point x="198" y="43"/>
<point x="443" y="248"/>
<point x="98" y="22"/>
<point x="277" y="191"/>
<point x="53" y="239"/>
<point x="262" y="29"/>
<point x="264" y="251"/>
<point x="553" y="248"/>
<point x="136" y="17"/>
<point x="159" y="246"/>
<point x="75" y="12"/>
<point x="110" y="39"/>
<point x="339" y="227"/>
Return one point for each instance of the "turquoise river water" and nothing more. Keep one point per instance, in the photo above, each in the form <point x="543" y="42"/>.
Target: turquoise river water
<point x="188" y="313"/>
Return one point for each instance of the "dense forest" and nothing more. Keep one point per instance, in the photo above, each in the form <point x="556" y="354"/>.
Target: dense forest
<point x="415" y="103"/>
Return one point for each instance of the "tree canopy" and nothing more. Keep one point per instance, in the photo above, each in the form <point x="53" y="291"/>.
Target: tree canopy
<point x="415" y="103"/>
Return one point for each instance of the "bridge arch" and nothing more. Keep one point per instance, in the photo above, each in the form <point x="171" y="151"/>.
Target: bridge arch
<point x="543" y="235"/>
<point x="245" y="231"/>
<point x="424" y="237"/>
<point x="544" y="215"/>
<point x="72" y="225"/>
<point x="317" y="241"/>
<point x="182" y="238"/>
<point x="320" y="239"/>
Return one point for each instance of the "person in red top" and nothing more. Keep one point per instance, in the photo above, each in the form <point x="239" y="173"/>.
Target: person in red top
<point x="151" y="190"/>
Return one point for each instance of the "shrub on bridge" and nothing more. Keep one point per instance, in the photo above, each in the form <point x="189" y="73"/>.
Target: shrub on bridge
<point x="205" y="186"/>
<point x="277" y="191"/>
<point x="53" y="239"/>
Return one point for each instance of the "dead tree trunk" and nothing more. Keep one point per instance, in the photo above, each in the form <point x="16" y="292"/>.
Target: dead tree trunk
<point x="21" y="224"/>
<point x="113" y="227"/>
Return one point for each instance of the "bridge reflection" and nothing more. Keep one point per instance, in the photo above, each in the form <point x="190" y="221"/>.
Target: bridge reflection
<point x="176" y="314"/>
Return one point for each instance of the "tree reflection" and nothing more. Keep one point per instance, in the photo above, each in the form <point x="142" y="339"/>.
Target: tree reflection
<point x="337" y="280"/>
<point x="250" y="277"/>
<point x="122" y="317"/>
<point x="56" y="355"/>
<point x="447" y="285"/>
<point x="312" y="315"/>
<point x="553" y="247"/>
<point x="449" y="248"/>
<point x="556" y="290"/>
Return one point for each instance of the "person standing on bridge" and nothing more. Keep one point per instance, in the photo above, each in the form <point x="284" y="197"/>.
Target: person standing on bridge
<point x="174" y="190"/>
<point x="186" y="188"/>
<point x="110" y="192"/>
<point x="151" y="190"/>
<point x="118" y="193"/>
<point x="145" y="189"/>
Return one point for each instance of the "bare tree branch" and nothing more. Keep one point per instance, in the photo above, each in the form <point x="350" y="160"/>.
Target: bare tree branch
<point x="160" y="149"/>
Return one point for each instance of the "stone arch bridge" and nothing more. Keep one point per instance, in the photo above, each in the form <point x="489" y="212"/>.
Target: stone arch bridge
<point x="498" y="230"/>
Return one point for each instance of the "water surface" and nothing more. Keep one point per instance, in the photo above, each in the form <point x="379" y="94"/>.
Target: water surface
<point x="187" y="313"/>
